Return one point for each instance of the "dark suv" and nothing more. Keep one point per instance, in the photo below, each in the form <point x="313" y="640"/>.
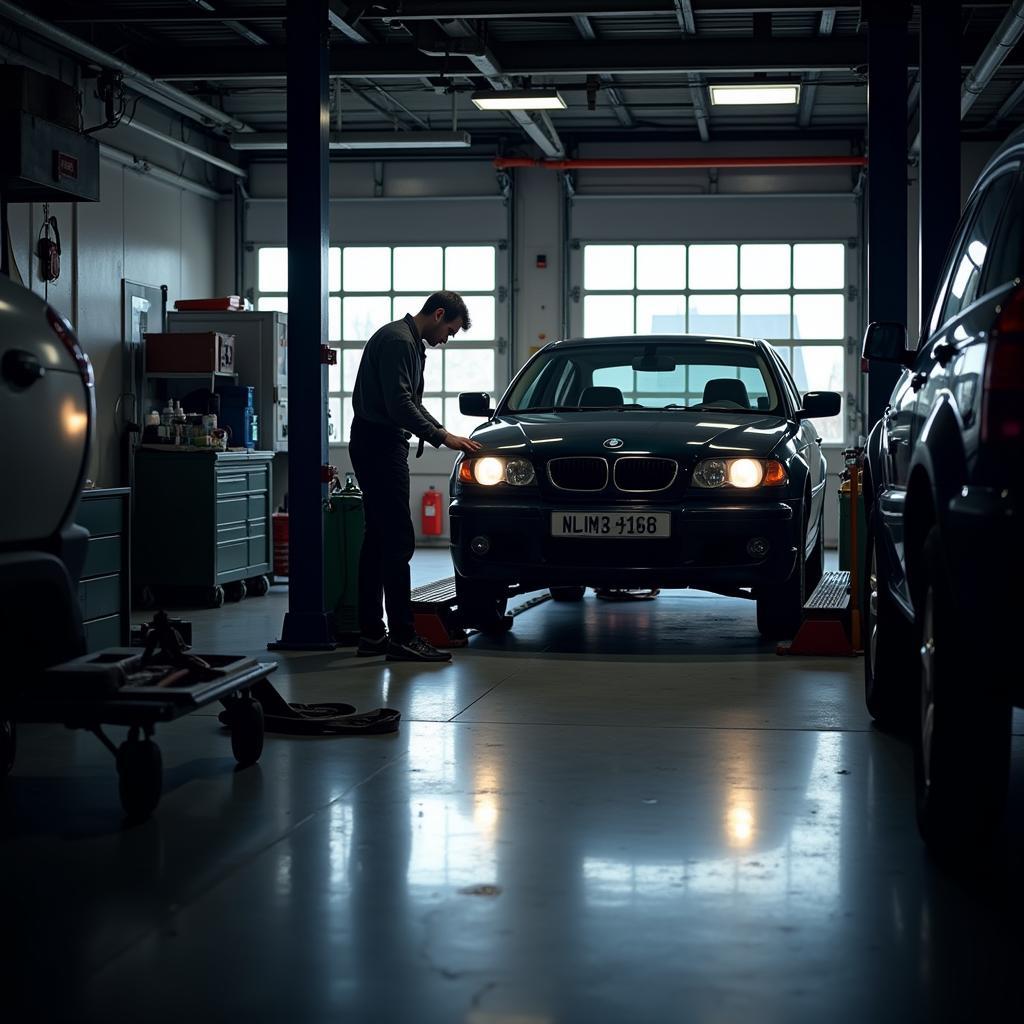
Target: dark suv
<point x="943" y="493"/>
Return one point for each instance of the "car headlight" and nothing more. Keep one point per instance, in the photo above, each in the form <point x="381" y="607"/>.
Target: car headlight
<point x="745" y="474"/>
<point x="490" y="470"/>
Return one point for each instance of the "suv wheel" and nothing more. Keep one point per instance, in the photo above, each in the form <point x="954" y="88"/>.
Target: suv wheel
<point x="889" y="664"/>
<point x="816" y="560"/>
<point x="780" y="608"/>
<point x="482" y="605"/>
<point x="962" y="743"/>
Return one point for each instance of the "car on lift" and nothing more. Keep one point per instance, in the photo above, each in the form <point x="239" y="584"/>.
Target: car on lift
<point x="944" y="474"/>
<point x="662" y="461"/>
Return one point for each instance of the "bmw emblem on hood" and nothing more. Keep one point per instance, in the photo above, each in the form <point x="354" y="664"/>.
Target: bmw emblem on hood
<point x="613" y="442"/>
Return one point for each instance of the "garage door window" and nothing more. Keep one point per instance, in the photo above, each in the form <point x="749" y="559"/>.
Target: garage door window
<point x="791" y="294"/>
<point x="370" y="285"/>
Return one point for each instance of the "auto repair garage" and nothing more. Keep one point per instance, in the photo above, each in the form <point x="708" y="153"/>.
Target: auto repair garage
<point x="507" y="510"/>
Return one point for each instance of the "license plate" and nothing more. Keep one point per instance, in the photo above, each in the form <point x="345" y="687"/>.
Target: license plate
<point x="611" y="524"/>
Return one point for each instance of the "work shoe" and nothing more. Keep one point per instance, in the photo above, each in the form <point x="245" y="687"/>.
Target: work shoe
<point x="372" y="648"/>
<point x="416" y="649"/>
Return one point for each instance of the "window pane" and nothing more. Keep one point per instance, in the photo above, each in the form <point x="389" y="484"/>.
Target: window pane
<point x="764" y="266"/>
<point x="469" y="268"/>
<point x="348" y="414"/>
<point x="481" y="315"/>
<point x="819" y="266"/>
<point x="607" y="266"/>
<point x="455" y="422"/>
<point x="367" y="268"/>
<point x="334" y="269"/>
<point x="661" y="266"/>
<point x="334" y="374"/>
<point x="764" y="316"/>
<point x="334" y="318"/>
<point x="661" y="314"/>
<point x="350" y="367"/>
<point x="712" y="314"/>
<point x="821" y="368"/>
<point x="275" y="303"/>
<point x="432" y="372"/>
<point x="334" y="421"/>
<point x="418" y="268"/>
<point x="435" y="406"/>
<point x="363" y="316"/>
<point x="607" y="315"/>
<point x="469" y="370"/>
<point x="818" y="316"/>
<point x="273" y="269"/>
<point x="713" y="266"/>
<point x="410" y="304"/>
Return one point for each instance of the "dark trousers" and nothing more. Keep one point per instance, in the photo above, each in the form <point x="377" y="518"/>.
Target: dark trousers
<point x="380" y="458"/>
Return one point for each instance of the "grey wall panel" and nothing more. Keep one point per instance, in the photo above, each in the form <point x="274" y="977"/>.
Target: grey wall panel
<point x="225" y="241"/>
<point x="197" y="256"/>
<point x="152" y="222"/>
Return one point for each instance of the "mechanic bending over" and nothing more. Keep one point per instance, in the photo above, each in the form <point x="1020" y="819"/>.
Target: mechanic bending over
<point x="388" y="404"/>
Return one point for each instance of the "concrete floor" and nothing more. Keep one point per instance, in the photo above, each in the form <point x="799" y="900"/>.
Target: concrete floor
<point x="622" y="813"/>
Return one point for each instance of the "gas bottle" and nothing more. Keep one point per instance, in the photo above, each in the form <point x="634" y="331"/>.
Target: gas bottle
<point x="343" y="541"/>
<point x="432" y="525"/>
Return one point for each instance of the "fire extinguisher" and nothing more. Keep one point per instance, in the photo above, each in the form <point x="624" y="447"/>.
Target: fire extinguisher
<point x="431" y="513"/>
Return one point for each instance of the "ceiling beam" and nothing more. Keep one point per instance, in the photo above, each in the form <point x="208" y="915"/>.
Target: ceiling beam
<point x="619" y="107"/>
<point x="809" y="90"/>
<point x="698" y="94"/>
<point x="344" y="19"/>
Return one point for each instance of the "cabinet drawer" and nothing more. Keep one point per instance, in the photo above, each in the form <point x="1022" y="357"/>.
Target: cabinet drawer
<point x="231" y="510"/>
<point x="232" y="481"/>
<point x="258" y="507"/>
<point x="259" y="479"/>
<point x="101" y="515"/>
<point x="227" y="534"/>
<point x="105" y="632"/>
<point x="102" y="556"/>
<point x="100" y="597"/>
<point x="232" y="556"/>
<point x="259" y="554"/>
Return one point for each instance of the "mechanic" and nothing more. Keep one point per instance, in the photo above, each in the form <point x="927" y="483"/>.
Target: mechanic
<point x="388" y="404"/>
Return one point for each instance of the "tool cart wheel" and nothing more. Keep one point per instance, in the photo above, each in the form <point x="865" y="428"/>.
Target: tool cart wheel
<point x="259" y="586"/>
<point x="8" y="746"/>
<point x="215" y="597"/>
<point x="246" y="722"/>
<point x="140" y="776"/>
<point x="236" y="591"/>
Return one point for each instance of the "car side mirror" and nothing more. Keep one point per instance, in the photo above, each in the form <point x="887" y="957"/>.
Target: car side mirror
<point x="819" y="405"/>
<point x="886" y="342"/>
<point x="475" y="403"/>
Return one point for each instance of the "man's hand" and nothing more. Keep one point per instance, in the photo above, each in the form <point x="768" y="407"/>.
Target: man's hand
<point x="460" y="444"/>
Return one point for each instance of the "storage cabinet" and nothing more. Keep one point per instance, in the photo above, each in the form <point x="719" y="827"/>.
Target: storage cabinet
<point x="202" y="521"/>
<point x="104" y="590"/>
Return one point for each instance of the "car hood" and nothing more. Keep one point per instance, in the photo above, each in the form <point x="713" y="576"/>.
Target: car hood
<point x="676" y="434"/>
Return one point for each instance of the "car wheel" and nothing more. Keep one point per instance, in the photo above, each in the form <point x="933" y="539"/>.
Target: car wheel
<point x="481" y="605"/>
<point x="567" y="593"/>
<point x="889" y="663"/>
<point x="962" y="742"/>
<point x="780" y="608"/>
<point x="815" y="568"/>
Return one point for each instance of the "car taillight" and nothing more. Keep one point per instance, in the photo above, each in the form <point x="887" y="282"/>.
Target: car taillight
<point x="1002" y="406"/>
<point x="63" y="331"/>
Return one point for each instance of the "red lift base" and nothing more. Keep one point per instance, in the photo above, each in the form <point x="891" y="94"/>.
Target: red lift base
<point x="433" y="608"/>
<point x="827" y="627"/>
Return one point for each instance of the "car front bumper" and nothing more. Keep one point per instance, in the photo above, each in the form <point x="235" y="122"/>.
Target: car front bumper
<point x="707" y="547"/>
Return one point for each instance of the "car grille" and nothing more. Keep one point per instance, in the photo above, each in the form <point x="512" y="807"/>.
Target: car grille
<point x="640" y="475"/>
<point x="578" y="474"/>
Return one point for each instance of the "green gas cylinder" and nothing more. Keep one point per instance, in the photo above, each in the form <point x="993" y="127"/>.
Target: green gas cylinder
<point x="343" y="540"/>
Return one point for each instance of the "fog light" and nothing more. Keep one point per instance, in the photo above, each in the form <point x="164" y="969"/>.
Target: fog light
<point x="480" y="545"/>
<point x="757" y="547"/>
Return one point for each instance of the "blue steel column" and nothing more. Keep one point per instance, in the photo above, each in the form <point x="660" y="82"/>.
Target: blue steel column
<point x="306" y="624"/>
<point x="939" y="174"/>
<point x="887" y="180"/>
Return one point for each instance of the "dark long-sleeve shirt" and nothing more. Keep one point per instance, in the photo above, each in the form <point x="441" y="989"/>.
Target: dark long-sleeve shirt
<point x="389" y="385"/>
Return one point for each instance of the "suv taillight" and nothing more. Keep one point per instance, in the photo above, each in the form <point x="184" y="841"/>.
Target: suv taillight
<point x="63" y="331"/>
<point x="1002" y="403"/>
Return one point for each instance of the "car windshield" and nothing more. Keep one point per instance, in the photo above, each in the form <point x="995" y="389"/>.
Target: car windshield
<point x="699" y="375"/>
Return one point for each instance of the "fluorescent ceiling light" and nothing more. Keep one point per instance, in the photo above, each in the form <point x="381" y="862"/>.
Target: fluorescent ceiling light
<point x="277" y="141"/>
<point x="519" y="99"/>
<point x="754" y="95"/>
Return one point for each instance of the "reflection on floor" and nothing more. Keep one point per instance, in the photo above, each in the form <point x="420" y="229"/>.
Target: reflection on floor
<point x="623" y="812"/>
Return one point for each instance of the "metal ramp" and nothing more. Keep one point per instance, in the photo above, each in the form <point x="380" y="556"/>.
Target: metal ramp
<point x="433" y="609"/>
<point x="830" y="596"/>
<point x="828" y="628"/>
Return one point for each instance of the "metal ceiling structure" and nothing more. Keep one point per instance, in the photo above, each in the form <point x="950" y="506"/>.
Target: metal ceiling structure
<point x="627" y="69"/>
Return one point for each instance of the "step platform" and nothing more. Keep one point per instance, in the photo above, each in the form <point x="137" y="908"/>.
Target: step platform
<point x="828" y="628"/>
<point x="433" y="609"/>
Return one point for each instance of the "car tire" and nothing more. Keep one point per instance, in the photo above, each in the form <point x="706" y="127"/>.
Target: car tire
<point x="815" y="567"/>
<point x="780" y="608"/>
<point x="963" y="735"/>
<point x="481" y="605"/>
<point x="890" y="666"/>
<point x="567" y="594"/>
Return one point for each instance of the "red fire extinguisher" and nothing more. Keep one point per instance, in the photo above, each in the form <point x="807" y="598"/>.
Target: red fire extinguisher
<point x="431" y="513"/>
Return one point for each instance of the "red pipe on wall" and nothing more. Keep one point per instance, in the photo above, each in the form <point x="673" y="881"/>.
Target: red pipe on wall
<point x="680" y="163"/>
